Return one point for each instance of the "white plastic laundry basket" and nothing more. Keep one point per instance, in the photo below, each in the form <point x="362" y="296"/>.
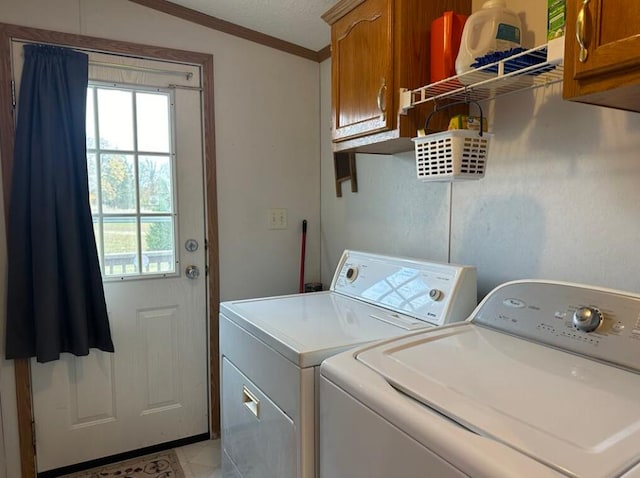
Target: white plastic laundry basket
<point x="452" y="155"/>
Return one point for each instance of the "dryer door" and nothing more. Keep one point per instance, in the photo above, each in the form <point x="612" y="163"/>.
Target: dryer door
<point x="258" y="437"/>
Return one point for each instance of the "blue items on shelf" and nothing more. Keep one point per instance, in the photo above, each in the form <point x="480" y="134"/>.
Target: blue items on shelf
<point x="522" y="61"/>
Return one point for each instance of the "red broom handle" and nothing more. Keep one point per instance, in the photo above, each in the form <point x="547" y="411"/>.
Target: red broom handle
<point x="302" y="255"/>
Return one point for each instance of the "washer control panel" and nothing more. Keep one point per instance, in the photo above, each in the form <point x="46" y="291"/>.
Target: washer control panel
<point x="600" y="323"/>
<point x="433" y="292"/>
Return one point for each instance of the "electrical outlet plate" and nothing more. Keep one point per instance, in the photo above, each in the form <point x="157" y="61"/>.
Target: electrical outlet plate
<point x="277" y="218"/>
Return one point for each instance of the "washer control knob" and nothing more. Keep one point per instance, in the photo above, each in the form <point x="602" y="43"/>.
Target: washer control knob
<point x="435" y="294"/>
<point x="352" y="273"/>
<point x="587" y="319"/>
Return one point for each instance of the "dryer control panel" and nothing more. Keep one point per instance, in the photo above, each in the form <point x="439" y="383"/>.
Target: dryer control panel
<point x="599" y="323"/>
<point x="432" y="292"/>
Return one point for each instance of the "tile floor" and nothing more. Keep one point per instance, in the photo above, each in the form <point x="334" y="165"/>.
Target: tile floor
<point x="201" y="460"/>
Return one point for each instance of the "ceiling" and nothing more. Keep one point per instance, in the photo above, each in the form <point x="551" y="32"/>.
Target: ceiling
<point x="295" y="21"/>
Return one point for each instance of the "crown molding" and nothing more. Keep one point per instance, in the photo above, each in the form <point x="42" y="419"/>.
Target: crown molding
<point x="224" y="26"/>
<point x="339" y="10"/>
<point x="324" y="54"/>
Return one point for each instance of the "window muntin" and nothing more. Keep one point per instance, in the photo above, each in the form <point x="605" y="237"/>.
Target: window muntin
<point x="132" y="180"/>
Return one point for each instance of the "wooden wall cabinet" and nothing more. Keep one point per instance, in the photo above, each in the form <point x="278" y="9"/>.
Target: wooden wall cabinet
<point x="610" y="33"/>
<point x="378" y="47"/>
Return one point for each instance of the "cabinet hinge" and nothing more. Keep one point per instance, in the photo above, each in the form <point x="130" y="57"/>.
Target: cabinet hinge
<point x="13" y="94"/>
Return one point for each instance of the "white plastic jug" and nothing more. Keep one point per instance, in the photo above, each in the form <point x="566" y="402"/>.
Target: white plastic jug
<point x="490" y="29"/>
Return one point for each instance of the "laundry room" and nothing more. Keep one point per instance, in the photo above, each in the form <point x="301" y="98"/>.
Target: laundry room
<point x="558" y="200"/>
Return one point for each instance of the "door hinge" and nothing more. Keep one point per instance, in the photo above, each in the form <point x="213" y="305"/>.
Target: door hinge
<point x="206" y="244"/>
<point x="33" y="435"/>
<point x="13" y="94"/>
<point x="206" y="270"/>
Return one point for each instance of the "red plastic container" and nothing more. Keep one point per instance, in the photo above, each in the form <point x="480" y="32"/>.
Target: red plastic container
<point x="446" y="32"/>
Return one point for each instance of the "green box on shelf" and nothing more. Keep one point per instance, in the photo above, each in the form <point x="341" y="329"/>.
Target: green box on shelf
<point x="556" y="16"/>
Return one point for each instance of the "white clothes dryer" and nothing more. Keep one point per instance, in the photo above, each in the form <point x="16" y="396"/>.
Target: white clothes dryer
<point x="543" y="380"/>
<point x="271" y="349"/>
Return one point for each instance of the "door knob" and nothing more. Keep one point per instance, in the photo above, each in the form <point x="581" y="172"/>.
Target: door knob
<point x="192" y="272"/>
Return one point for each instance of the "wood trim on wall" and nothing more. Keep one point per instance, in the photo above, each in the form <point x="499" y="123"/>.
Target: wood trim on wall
<point x="6" y="114"/>
<point x="224" y="26"/>
<point x="213" y="257"/>
<point x="205" y="61"/>
<point x="324" y="54"/>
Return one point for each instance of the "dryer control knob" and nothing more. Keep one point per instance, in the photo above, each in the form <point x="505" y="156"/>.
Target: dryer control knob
<point x="435" y="294"/>
<point x="587" y="319"/>
<point x="352" y="273"/>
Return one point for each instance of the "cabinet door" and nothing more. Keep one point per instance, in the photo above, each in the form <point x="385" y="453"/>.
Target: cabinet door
<point x="610" y="34"/>
<point x="362" y="70"/>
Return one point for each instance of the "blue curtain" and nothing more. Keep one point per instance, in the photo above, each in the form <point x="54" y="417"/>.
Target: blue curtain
<point x="55" y="298"/>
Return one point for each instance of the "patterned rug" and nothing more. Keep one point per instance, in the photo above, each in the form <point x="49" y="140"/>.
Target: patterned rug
<point x="158" y="465"/>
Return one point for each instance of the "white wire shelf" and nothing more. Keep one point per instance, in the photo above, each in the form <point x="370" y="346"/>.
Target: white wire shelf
<point x="526" y="70"/>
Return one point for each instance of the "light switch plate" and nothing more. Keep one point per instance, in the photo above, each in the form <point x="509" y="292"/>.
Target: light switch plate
<point x="277" y="218"/>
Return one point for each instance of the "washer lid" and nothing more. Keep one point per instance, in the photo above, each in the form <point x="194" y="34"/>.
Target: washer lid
<point x="308" y="328"/>
<point x="574" y="414"/>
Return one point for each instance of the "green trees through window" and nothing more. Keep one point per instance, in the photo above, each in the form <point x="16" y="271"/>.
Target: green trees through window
<point x="131" y="189"/>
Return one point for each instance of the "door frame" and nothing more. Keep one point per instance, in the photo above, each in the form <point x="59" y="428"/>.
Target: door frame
<point x="10" y="32"/>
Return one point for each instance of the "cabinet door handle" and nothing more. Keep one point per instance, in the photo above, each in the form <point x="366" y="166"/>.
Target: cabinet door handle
<point x="251" y="402"/>
<point x="581" y="31"/>
<point x="381" y="91"/>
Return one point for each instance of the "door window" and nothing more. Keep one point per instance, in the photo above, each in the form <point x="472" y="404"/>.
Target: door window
<point x="130" y="160"/>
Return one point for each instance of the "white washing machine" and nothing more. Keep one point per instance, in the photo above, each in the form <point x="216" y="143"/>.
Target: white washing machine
<point x="542" y="381"/>
<point x="271" y="349"/>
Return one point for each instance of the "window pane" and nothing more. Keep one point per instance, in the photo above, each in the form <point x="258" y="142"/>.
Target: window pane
<point x="120" y="246"/>
<point x="92" y="171"/>
<point x="130" y="165"/>
<point x="91" y="121"/>
<point x="158" y="245"/>
<point x="155" y="184"/>
<point x="118" y="183"/>
<point x="152" y="111"/>
<point x="115" y="117"/>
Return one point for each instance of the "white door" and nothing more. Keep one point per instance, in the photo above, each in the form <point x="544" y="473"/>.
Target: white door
<point x="146" y="183"/>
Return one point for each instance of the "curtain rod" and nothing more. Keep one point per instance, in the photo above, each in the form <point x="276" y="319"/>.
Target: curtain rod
<point x="186" y="74"/>
<point x="180" y="87"/>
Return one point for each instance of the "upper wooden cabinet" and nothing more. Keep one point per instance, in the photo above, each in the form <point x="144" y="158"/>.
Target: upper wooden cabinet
<point x="609" y="72"/>
<point x="378" y="47"/>
<point x="363" y="73"/>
